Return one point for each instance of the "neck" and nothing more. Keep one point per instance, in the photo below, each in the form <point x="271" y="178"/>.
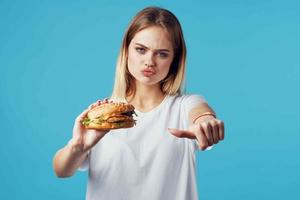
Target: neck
<point x="146" y="97"/>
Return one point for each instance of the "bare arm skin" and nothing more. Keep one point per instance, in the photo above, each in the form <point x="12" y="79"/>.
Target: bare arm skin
<point x="68" y="159"/>
<point x="207" y="129"/>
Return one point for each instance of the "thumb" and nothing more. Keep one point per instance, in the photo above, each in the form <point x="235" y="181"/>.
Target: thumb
<point x="182" y="133"/>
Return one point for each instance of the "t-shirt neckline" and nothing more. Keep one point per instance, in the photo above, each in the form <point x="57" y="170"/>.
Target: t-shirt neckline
<point x="140" y="113"/>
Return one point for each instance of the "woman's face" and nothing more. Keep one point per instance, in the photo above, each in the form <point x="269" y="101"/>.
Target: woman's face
<point x="150" y="54"/>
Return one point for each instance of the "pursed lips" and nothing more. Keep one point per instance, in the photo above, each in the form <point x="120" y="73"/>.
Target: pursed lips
<point x="148" y="72"/>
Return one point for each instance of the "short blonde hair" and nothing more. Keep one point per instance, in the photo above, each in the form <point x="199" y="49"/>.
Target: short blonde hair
<point x="174" y="81"/>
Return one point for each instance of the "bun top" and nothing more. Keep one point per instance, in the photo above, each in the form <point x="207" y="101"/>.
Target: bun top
<point x="107" y="109"/>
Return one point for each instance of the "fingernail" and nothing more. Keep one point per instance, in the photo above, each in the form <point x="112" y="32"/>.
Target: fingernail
<point x="170" y="129"/>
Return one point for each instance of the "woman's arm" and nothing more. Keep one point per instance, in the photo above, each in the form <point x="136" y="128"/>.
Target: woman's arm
<point x="204" y="126"/>
<point x="68" y="159"/>
<point x="203" y="109"/>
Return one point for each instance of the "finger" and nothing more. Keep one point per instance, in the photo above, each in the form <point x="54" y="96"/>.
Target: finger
<point x="98" y="102"/>
<point x="82" y="115"/>
<point x="202" y="139"/>
<point x="221" y="129"/>
<point x="215" y="131"/>
<point x="206" y="128"/>
<point x="182" y="133"/>
<point x="91" y="106"/>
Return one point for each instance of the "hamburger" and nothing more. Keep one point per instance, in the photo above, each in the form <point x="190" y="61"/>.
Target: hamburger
<point x="108" y="115"/>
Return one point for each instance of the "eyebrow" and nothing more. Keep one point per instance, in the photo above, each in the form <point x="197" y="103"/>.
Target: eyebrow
<point x="149" y="48"/>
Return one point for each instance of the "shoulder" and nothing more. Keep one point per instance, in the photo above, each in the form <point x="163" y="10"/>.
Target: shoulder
<point x="185" y="102"/>
<point x="189" y="98"/>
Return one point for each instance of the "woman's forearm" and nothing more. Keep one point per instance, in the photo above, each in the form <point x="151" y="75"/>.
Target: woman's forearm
<point x="198" y="111"/>
<point x="68" y="159"/>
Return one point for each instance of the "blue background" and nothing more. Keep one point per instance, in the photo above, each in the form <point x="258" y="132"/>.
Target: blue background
<point x="58" y="56"/>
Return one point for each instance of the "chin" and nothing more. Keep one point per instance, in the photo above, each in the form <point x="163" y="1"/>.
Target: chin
<point x="147" y="81"/>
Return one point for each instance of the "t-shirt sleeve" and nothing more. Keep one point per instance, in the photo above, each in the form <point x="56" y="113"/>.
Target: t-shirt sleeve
<point x="189" y="102"/>
<point x="85" y="164"/>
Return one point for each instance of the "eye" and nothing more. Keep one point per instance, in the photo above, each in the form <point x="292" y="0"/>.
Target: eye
<point x="140" y="50"/>
<point x="162" y="54"/>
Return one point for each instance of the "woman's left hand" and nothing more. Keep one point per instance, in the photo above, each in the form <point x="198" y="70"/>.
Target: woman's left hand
<point x="207" y="130"/>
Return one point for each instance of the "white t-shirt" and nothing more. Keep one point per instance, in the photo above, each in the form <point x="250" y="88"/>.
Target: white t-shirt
<point x="146" y="161"/>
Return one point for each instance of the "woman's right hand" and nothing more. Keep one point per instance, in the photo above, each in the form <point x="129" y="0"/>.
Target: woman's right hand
<point x="84" y="139"/>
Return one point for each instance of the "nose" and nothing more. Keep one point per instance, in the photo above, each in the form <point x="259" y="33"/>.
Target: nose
<point x="149" y="60"/>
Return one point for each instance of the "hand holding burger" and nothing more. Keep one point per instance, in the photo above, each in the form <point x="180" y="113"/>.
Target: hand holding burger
<point x="109" y="115"/>
<point x="93" y="123"/>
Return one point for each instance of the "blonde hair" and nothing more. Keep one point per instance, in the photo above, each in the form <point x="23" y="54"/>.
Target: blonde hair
<point x="174" y="81"/>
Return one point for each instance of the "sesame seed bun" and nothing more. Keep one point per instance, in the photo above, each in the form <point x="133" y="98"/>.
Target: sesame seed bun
<point x="110" y="115"/>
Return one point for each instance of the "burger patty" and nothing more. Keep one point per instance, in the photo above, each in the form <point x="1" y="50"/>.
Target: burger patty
<point x="112" y="118"/>
<point x="130" y="113"/>
<point x="118" y="118"/>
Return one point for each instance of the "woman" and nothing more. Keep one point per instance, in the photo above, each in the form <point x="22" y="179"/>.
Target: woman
<point x="156" y="158"/>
